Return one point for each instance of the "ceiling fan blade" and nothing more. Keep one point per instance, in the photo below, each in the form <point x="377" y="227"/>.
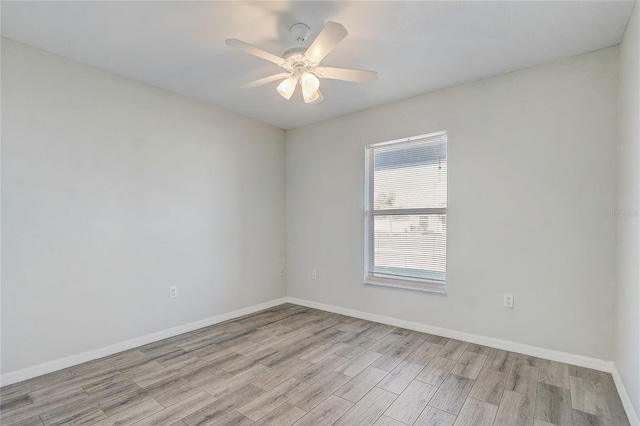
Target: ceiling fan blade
<point x="252" y="50"/>
<point x="329" y="37"/>
<point x="359" y="76"/>
<point x="265" y="80"/>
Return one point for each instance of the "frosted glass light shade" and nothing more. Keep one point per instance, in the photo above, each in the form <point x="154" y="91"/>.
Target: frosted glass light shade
<point x="310" y="96"/>
<point x="286" y="87"/>
<point x="309" y="82"/>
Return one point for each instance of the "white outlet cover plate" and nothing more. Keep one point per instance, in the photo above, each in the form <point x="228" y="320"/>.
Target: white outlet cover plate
<point x="508" y="300"/>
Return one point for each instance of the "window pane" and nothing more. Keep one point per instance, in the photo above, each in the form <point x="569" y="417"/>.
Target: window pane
<point x="413" y="246"/>
<point x="408" y="177"/>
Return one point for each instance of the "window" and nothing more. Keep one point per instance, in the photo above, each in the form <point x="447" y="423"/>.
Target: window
<point x="406" y="213"/>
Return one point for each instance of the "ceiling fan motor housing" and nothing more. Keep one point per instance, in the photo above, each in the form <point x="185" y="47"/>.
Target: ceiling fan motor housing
<point x="300" y="32"/>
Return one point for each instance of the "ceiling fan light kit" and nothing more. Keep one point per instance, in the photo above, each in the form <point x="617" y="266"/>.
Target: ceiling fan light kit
<point x="286" y="87"/>
<point x="302" y="65"/>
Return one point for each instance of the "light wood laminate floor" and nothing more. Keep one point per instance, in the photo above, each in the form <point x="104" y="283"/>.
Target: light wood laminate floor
<point x="292" y="365"/>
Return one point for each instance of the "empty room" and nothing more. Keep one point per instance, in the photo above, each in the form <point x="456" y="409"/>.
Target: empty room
<point x="389" y="213"/>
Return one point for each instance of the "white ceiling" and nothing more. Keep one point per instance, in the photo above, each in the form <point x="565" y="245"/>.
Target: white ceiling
<point x="416" y="47"/>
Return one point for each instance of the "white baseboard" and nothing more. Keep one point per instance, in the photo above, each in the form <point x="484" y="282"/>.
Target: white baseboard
<point x="70" y="361"/>
<point x="579" y="360"/>
<point x="624" y="397"/>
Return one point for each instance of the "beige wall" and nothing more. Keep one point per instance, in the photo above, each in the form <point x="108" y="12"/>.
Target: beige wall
<point x="112" y="191"/>
<point x="627" y="337"/>
<point x="531" y="172"/>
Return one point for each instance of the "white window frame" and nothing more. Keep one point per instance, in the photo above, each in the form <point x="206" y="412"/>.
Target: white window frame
<point x="427" y="285"/>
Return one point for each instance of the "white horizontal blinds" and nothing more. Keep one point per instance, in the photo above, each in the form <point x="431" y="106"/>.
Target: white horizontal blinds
<point x="408" y="210"/>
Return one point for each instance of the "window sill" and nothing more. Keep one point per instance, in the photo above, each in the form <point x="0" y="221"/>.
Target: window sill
<point x="426" y="286"/>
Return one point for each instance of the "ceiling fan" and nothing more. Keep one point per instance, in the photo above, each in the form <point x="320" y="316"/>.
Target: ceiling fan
<point x="302" y="65"/>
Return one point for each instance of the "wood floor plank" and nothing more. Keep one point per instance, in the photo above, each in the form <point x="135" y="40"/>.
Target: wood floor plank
<point x="285" y="415"/>
<point x="218" y="409"/>
<point x="424" y="353"/>
<point x="387" y="421"/>
<point x="387" y="362"/>
<point x="489" y="386"/>
<point x="206" y="374"/>
<point x="175" y="358"/>
<point x="378" y="331"/>
<point x="368" y="409"/>
<point x="75" y="411"/>
<point x="350" y="351"/>
<point x="498" y="360"/>
<point x="248" y="362"/>
<point x="113" y="386"/>
<point x="15" y="402"/>
<point x="480" y="349"/>
<point x="350" y="325"/>
<point x="588" y="374"/>
<point x="436" y="371"/>
<point x="573" y="370"/>
<point x="438" y="340"/>
<point x="177" y="394"/>
<point x="321" y="369"/>
<point x="360" y="385"/>
<point x="434" y="417"/>
<point x="538" y="422"/>
<point x="553" y="405"/>
<point x="26" y="412"/>
<point x="522" y="378"/>
<point x="31" y="421"/>
<point x="231" y="417"/>
<point x="269" y="401"/>
<point x="516" y="358"/>
<point x="589" y="397"/>
<point x="154" y="376"/>
<point x="88" y="415"/>
<point x="397" y="380"/>
<point x="34" y="384"/>
<point x="327" y="412"/>
<point x="553" y="373"/>
<point x="515" y="409"/>
<point x="320" y="353"/>
<point x="319" y="391"/>
<point x="359" y="363"/>
<point x="232" y="384"/>
<point x="617" y="413"/>
<point x="476" y="413"/>
<point x="184" y="408"/>
<point x="469" y="365"/>
<point x="355" y="340"/>
<point x="124" y="402"/>
<point x="269" y="378"/>
<point x="406" y="345"/>
<point x="69" y="385"/>
<point x="214" y="361"/>
<point x="411" y="402"/>
<point x="580" y="418"/>
<point x="453" y="349"/>
<point x="132" y="414"/>
<point x="452" y="393"/>
<point x="386" y="343"/>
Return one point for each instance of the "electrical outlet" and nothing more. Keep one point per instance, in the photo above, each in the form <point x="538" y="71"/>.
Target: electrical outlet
<point x="314" y="274"/>
<point x="173" y="292"/>
<point x="508" y="300"/>
<point x="283" y="272"/>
